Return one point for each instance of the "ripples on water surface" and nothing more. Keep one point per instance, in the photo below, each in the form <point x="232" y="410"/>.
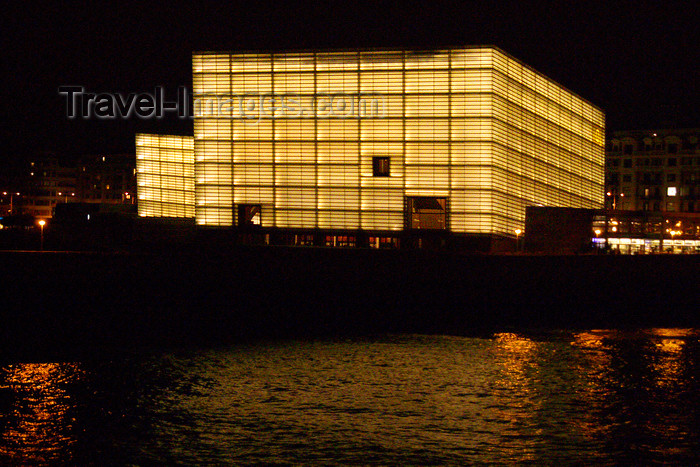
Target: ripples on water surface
<point x="592" y="397"/>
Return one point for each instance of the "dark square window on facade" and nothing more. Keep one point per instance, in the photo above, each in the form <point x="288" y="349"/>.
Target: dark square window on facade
<point x="249" y="215"/>
<point x="671" y="177"/>
<point x="672" y="148"/>
<point x="380" y="166"/>
<point x="627" y="163"/>
<point x="628" y="148"/>
<point x="627" y="178"/>
<point x="672" y="161"/>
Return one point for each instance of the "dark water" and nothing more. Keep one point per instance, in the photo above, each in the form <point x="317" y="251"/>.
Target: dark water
<point x="589" y="397"/>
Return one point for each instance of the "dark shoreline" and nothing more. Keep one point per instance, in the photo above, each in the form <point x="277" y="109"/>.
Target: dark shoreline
<point x="56" y="301"/>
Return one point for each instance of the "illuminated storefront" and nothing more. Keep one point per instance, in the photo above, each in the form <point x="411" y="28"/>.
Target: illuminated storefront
<point x="552" y="230"/>
<point x="376" y="142"/>
<point x="644" y="232"/>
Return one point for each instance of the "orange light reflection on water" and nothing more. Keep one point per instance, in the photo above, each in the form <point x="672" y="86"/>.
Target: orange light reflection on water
<point x="638" y="379"/>
<point x="516" y="400"/>
<point x="38" y="430"/>
<point x="669" y="343"/>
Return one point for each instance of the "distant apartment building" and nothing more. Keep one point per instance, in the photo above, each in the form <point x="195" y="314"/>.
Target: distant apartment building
<point x="655" y="170"/>
<point x="48" y="181"/>
<point x="106" y="179"/>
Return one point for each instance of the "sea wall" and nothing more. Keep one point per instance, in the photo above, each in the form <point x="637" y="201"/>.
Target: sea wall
<point x="56" y="300"/>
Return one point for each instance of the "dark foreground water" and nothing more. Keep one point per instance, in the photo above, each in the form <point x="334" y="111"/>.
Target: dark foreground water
<point x="598" y="396"/>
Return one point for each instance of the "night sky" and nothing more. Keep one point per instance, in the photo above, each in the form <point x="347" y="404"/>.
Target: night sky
<point x="638" y="62"/>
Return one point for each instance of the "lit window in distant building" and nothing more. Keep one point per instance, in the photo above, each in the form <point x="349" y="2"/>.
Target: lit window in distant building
<point x="671" y="191"/>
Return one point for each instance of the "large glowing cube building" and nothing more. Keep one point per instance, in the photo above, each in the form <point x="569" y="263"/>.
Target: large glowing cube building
<point x="374" y="144"/>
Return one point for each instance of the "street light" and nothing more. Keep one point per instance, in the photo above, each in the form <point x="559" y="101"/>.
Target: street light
<point x="673" y="236"/>
<point x="614" y="198"/>
<point x="42" y="222"/>
<point x="517" y="239"/>
<point x="65" y="196"/>
<point x="4" y="193"/>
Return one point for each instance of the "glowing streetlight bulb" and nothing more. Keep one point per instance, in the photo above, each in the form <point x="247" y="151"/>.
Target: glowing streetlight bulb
<point x="517" y="239"/>
<point x="42" y="222"/>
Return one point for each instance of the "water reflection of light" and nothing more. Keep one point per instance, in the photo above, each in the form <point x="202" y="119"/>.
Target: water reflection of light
<point x="593" y="339"/>
<point x="516" y="398"/>
<point x="514" y="342"/>
<point x="594" y="367"/>
<point x="516" y="354"/>
<point x="670" y="340"/>
<point x="638" y="380"/>
<point x="669" y="343"/>
<point x="37" y="428"/>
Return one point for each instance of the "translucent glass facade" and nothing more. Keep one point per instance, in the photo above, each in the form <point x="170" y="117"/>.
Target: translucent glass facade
<point x="472" y="127"/>
<point x="165" y="175"/>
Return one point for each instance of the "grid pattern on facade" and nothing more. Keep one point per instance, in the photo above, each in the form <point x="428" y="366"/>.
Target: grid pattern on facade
<point x="473" y="125"/>
<point x="165" y="175"/>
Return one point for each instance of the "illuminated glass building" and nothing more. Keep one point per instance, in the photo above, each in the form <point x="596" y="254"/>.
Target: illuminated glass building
<point x="365" y="147"/>
<point x="165" y="176"/>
